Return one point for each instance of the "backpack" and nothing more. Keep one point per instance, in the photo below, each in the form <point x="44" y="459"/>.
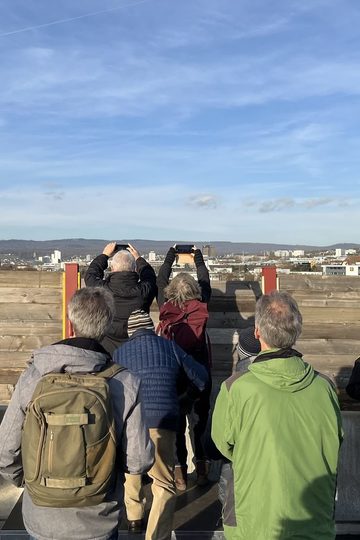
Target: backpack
<point x="186" y="325"/>
<point x="69" y="441"/>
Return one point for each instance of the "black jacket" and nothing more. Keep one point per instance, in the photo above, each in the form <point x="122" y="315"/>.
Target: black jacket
<point x="131" y="290"/>
<point x="353" y="387"/>
<point x="201" y="270"/>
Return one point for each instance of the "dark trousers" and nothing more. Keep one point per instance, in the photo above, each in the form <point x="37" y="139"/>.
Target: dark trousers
<point x="202" y="409"/>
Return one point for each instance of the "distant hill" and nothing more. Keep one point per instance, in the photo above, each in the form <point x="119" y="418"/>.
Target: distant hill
<point x="83" y="246"/>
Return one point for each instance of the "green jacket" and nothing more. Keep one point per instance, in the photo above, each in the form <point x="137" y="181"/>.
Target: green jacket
<point x="280" y="426"/>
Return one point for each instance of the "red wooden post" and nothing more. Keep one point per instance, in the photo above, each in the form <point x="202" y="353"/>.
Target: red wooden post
<point x="269" y="280"/>
<point x="71" y="282"/>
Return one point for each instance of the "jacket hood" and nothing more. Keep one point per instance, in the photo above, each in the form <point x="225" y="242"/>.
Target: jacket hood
<point x="63" y="357"/>
<point x="170" y="310"/>
<point x="289" y="374"/>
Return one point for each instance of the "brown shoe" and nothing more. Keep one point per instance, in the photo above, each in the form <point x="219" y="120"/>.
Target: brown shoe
<point x="180" y="475"/>
<point x="202" y="469"/>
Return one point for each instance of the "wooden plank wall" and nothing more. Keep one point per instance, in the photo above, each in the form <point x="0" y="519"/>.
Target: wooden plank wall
<point x="30" y="317"/>
<point x="331" y="325"/>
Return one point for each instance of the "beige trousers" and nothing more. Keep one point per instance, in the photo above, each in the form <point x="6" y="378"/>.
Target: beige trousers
<point x="163" y="488"/>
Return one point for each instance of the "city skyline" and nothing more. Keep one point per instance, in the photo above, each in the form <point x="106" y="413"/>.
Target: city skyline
<point x="205" y="119"/>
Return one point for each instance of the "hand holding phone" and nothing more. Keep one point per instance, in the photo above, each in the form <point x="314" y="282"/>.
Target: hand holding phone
<point x="109" y="249"/>
<point x="184" y="248"/>
<point x="120" y="247"/>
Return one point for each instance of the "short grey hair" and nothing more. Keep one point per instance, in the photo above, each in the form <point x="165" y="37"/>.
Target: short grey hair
<point x="278" y="319"/>
<point x="182" y="288"/>
<point x="91" y="311"/>
<point x="123" y="261"/>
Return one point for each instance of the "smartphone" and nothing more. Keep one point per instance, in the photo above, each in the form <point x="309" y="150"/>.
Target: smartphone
<point x="120" y="247"/>
<point x="184" y="248"/>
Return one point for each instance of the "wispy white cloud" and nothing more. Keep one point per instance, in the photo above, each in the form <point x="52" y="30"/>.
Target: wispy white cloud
<point x="204" y="201"/>
<point x="276" y="205"/>
<point x="132" y="81"/>
<point x="171" y="217"/>
<point x="285" y="204"/>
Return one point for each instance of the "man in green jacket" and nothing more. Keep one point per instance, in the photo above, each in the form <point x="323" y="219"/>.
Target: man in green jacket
<point x="280" y="426"/>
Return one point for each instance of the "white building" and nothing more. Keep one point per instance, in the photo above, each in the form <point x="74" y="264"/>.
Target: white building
<point x="298" y="253"/>
<point x="352" y="270"/>
<point x="282" y="253"/>
<point x="333" y="269"/>
<point x="152" y="256"/>
<point x="350" y="251"/>
<point x="56" y="257"/>
<point x="341" y="269"/>
<point x="339" y="252"/>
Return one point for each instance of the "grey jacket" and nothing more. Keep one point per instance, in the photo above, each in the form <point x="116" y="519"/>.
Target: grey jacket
<point x="135" y="448"/>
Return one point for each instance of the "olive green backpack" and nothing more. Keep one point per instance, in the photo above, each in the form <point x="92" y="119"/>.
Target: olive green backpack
<point x="68" y="442"/>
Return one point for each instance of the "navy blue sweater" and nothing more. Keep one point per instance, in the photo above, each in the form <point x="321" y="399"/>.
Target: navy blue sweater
<point x="161" y="365"/>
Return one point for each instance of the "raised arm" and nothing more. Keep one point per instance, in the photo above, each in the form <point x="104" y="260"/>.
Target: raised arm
<point x="95" y="274"/>
<point x="202" y="276"/>
<point x="147" y="278"/>
<point x="164" y="275"/>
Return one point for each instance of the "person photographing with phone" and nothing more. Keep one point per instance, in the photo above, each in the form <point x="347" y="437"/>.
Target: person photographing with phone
<point x="183" y="316"/>
<point x="132" y="282"/>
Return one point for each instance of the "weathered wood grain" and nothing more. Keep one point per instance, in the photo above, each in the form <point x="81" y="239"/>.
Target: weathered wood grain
<point x="24" y="343"/>
<point x="317" y="315"/>
<point x="30" y="295"/>
<point x="294" y="282"/>
<point x="14" y="359"/>
<point x="19" y="327"/>
<point x="30" y="279"/>
<point x="311" y="330"/>
<point x="326" y="294"/>
<point x="10" y="376"/>
<point x="340" y="330"/>
<point x="31" y="312"/>
<point x="320" y="345"/>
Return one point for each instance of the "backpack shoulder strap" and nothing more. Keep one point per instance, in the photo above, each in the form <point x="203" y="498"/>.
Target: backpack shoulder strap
<point x="110" y="371"/>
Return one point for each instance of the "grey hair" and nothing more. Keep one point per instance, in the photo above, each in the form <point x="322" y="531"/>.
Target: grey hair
<point x="182" y="288"/>
<point x="123" y="261"/>
<point x="278" y="319"/>
<point x="91" y="312"/>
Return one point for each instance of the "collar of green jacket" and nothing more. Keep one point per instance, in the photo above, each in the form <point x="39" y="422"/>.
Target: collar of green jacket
<point x="283" y="369"/>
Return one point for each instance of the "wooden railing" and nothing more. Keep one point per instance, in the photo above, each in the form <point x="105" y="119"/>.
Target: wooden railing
<point x="31" y="317"/>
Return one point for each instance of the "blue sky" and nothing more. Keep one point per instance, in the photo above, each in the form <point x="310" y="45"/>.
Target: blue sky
<point x="199" y="119"/>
